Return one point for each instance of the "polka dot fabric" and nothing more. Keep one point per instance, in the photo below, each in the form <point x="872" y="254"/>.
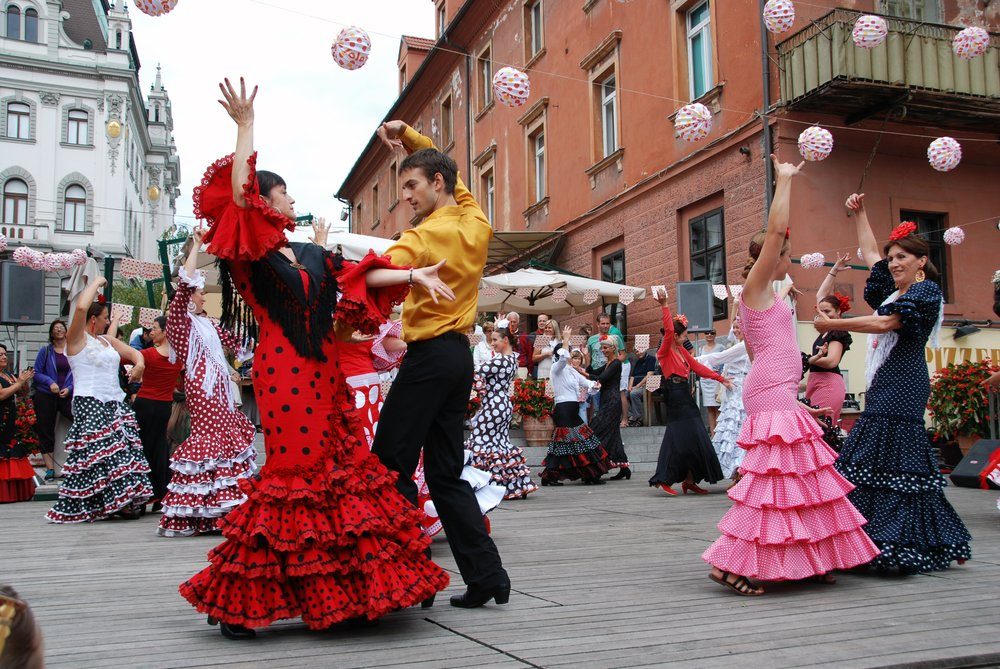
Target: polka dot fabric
<point x="791" y="518"/>
<point x="207" y="467"/>
<point x="490" y="439"/>
<point x="888" y="455"/>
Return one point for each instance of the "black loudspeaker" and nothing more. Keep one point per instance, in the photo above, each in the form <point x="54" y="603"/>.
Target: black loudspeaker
<point x="694" y="300"/>
<point x="22" y="295"/>
<point x="966" y="474"/>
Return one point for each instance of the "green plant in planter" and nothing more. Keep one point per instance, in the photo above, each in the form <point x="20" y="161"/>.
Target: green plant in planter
<point x="959" y="403"/>
<point x="530" y="400"/>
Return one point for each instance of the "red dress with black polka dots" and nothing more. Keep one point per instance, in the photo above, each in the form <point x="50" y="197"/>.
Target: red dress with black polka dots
<point x="323" y="534"/>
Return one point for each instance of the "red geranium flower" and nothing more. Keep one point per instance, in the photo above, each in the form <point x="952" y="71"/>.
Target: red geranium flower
<point x="902" y="230"/>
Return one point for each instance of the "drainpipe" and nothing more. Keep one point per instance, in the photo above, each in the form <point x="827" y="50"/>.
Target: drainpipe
<point x="765" y="66"/>
<point x="468" y="105"/>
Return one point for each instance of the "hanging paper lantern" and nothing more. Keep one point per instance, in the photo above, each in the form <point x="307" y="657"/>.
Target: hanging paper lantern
<point x="155" y="7"/>
<point x="653" y="382"/>
<point x="3" y="243"/>
<point x="523" y="293"/>
<point x="590" y="296"/>
<point x="812" y="260"/>
<point x="560" y="294"/>
<point x="971" y="43"/>
<point x="351" y="48"/>
<point x="779" y="15"/>
<point x="511" y="86"/>
<point x="944" y="154"/>
<point x="550" y="391"/>
<point x="719" y="292"/>
<point x="869" y="31"/>
<point x="861" y="256"/>
<point x="79" y="256"/>
<point x="815" y="143"/>
<point x="641" y="343"/>
<point x="490" y="291"/>
<point x="954" y="236"/>
<point x="693" y="122"/>
<point x="626" y="296"/>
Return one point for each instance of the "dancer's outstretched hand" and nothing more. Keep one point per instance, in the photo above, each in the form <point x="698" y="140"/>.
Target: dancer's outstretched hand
<point x="390" y="133"/>
<point x="321" y="230"/>
<point x="427" y="277"/>
<point x="238" y="105"/>
<point x="728" y="383"/>
<point x="843" y="262"/>
<point x="786" y="170"/>
<point x="856" y="202"/>
<point x="819" y="412"/>
<point x="822" y="322"/>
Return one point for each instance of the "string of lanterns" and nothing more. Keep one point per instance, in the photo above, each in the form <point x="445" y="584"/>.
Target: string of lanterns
<point x="46" y="262"/>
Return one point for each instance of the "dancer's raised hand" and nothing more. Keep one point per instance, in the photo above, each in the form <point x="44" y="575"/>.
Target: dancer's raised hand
<point x="390" y="133"/>
<point x="321" y="231"/>
<point x="428" y="278"/>
<point x="238" y="105"/>
<point x="785" y="170"/>
<point x="855" y="202"/>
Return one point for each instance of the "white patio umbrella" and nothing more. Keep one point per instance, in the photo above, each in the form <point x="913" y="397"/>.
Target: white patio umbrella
<point x="537" y="291"/>
<point x="353" y="246"/>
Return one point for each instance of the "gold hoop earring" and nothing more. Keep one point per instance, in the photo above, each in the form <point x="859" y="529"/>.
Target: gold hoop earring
<point x="920" y="276"/>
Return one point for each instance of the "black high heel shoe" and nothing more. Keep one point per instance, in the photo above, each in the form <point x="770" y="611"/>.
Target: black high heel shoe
<point x="473" y="598"/>
<point x="546" y="482"/>
<point x="623" y="473"/>
<point x="429" y="602"/>
<point x="236" y="632"/>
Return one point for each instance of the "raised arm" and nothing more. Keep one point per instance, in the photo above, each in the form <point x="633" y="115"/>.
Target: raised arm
<point x="757" y="291"/>
<point x="240" y="109"/>
<point x="132" y="355"/>
<point x="20" y="385"/>
<point x="874" y="324"/>
<point x="826" y="288"/>
<point x="866" y="238"/>
<point x="76" y="338"/>
<point x="560" y="357"/>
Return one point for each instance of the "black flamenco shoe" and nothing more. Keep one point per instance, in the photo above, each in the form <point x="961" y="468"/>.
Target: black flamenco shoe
<point x="473" y="598"/>
<point x="429" y="602"/>
<point x="623" y="473"/>
<point x="546" y="482"/>
<point x="236" y="632"/>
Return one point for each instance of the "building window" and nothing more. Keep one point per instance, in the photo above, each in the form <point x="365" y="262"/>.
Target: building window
<point x="118" y="39"/>
<point x="75" y="209"/>
<point x="376" y="208"/>
<point x="402" y="77"/>
<point x="13" y="22"/>
<point x="928" y="11"/>
<point x="15" y="202"/>
<point x="484" y="76"/>
<point x="536" y="149"/>
<point x="699" y="44"/>
<point x="18" y="120"/>
<point x="30" y="25"/>
<point x="393" y="185"/>
<point x="487" y="189"/>
<point x="534" y="40"/>
<point x="708" y="253"/>
<point x="931" y="227"/>
<point x="441" y="14"/>
<point x="607" y="94"/>
<point x="613" y="270"/>
<point x="447" y="124"/>
<point x="76" y="127"/>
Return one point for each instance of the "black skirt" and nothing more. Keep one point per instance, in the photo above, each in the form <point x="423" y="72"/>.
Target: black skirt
<point x="685" y="447"/>
<point x="606" y="424"/>
<point x="574" y="452"/>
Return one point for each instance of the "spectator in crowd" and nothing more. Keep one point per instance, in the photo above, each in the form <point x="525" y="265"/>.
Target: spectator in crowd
<point x="542" y="346"/>
<point x="140" y="338"/>
<point x="595" y="358"/>
<point x="710" y="387"/>
<point x="645" y="366"/>
<point x="483" y="351"/>
<point x="529" y="340"/>
<point x="53" y="392"/>
<point x="523" y="353"/>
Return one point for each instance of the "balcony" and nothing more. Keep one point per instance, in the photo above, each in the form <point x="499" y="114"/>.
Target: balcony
<point x="823" y="71"/>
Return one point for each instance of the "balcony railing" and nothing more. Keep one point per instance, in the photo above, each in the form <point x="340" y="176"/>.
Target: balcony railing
<point x="823" y="70"/>
<point x="32" y="235"/>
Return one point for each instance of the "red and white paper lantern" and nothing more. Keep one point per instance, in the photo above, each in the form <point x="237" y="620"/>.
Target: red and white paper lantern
<point x="155" y="7"/>
<point x="812" y="260"/>
<point x="511" y="86"/>
<point x="641" y="343"/>
<point x="3" y="243"/>
<point x="944" y="154"/>
<point x="124" y="311"/>
<point x="869" y="31"/>
<point x="971" y="43"/>
<point x="549" y="390"/>
<point x="954" y="236"/>
<point x="523" y="293"/>
<point x="490" y="291"/>
<point x="626" y="296"/>
<point x="719" y="292"/>
<point x="147" y="316"/>
<point x="653" y="382"/>
<point x="861" y="256"/>
<point x="590" y="296"/>
<point x="560" y="294"/>
<point x="351" y="48"/>
<point x="577" y="340"/>
<point x="385" y="387"/>
<point x="693" y="122"/>
<point x="474" y="339"/>
<point x="779" y="15"/>
<point x="815" y="143"/>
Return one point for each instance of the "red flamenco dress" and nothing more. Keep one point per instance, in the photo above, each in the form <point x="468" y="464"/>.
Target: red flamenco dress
<point x="323" y="534"/>
<point x="17" y="477"/>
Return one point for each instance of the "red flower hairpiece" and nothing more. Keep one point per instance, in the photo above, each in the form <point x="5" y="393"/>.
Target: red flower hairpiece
<point x="788" y="233"/>
<point x="902" y="230"/>
<point x="682" y="319"/>
<point x="845" y="302"/>
<point x="101" y="299"/>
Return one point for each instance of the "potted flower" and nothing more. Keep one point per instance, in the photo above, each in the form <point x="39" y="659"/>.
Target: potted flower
<point x="535" y="406"/>
<point x="24" y="425"/>
<point x="959" y="402"/>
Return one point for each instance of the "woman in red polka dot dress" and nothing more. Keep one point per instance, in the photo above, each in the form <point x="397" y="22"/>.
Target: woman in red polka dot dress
<point x="209" y="464"/>
<point x="323" y="534"/>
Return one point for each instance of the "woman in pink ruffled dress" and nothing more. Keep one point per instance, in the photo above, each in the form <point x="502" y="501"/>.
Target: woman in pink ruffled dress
<point x="791" y="518"/>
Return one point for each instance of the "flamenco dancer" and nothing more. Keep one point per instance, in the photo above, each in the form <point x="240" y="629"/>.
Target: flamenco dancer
<point x="489" y="442"/>
<point x="607" y="420"/>
<point x="825" y="386"/>
<point x="105" y="471"/>
<point x="17" y="476"/>
<point x="736" y="366"/>
<point x="574" y="452"/>
<point x="322" y="535"/>
<point x="790" y="518"/>
<point x="686" y="454"/>
<point x="888" y="455"/>
<point x="427" y="402"/>
<point x="208" y="465"/>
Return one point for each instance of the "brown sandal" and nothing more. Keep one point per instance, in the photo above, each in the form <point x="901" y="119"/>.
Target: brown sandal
<point x="825" y="579"/>
<point x="741" y="586"/>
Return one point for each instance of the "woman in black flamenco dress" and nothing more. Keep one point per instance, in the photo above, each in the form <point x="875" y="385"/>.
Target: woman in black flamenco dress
<point x="323" y="534"/>
<point x="606" y="423"/>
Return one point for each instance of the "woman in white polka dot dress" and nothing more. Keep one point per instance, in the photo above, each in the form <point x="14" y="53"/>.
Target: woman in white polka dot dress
<point x="791" y="519"/>
<point x="106" y="472"/>
<point x="207" y="467"/>
<point x="490" y="441"/>
<point x="888" y="455"/>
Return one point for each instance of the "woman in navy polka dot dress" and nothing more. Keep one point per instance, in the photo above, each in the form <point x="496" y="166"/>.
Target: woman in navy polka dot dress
<point x="888" y="455"/>
<point x="323" y="534"/>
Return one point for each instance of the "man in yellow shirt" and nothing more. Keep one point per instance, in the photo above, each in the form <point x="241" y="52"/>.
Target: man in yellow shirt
<point x="427" y="401"/>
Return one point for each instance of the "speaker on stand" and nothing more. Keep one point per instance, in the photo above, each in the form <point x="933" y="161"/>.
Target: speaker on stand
<point x="22" y="300"/>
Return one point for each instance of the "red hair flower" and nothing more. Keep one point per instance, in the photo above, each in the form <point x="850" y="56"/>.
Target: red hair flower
<point x="682" y="319"/>
<point x="788" y="233"/>
<point x="101" y="299"/>
<point x="902" y="230"/>
<point x="845" y="302"/>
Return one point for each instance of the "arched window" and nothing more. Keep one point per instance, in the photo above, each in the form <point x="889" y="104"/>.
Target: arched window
<point x="118" y="39"/>
<point x="15" y="202"/>
<point x="75" y="209"/>
<point x="77" y="131"/>
<point x="18" y="120"/>
<point x="13" y="22"/>
<point x="156" y="113"/>
<point x="30" y="25"/>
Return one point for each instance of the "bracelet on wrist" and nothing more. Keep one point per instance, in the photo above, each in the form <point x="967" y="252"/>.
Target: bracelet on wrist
<point x="410" y="280"/>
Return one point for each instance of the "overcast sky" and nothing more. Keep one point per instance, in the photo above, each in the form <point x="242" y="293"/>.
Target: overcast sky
<point x="313" y="118"/>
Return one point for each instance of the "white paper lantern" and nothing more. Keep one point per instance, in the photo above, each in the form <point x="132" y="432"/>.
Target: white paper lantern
<point x="490" y="291"/>
<point x="626" y="296"/>
<point x="560" y="294"/>
<point x="971" y="43"/>
<point x="155" y="7"/>
<point x="861" y="256"/>
<point x="511" y="86"/>
<point x="653" y="382"/>
<point x="944" y="154"/>
<point x="79" y="256"/>
<point x="779" y="15"/>
<point x="693" y="122"/>
<point x="590" y="296"/>
<point x="815" y="143"/>
<point x="3" y="243"/>
<point x="812" y="260"/>
<point x="869" y="31"/>
<point x="954" y="236"/>
<point x="641" y="343"/>
<point x="351" y="48"/>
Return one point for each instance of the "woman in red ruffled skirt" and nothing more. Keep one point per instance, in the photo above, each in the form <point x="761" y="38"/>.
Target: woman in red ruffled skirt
<point x="17" y="476"/>
<point x="323" y="534"/>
